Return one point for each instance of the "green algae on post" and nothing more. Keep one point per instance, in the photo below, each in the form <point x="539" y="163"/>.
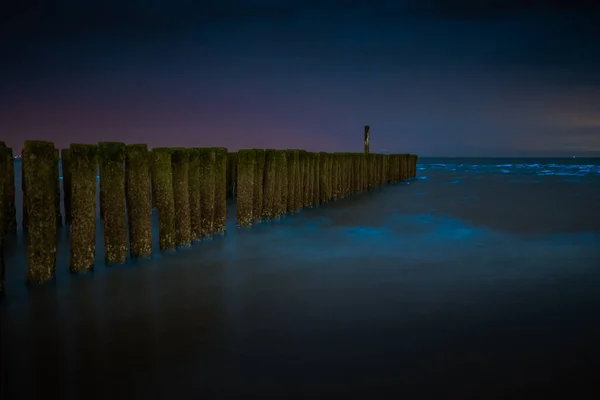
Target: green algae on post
<point x="316" y="179"/>
<point x="84" y="167"/>
<point x="291" y="181"/>
<point x="220" y="216"/>
<point x="258" y="185"/>
<point x="65" y="161"/>
<point x="181" y="198"/>
<point x="25" y="215"/>
<point x="38" y="173"/>
<point x="57" y="188"/>
<point x="244" y="191"/>
<point x="162" y="188"/>
<point x="194" y="194"/>
<point x="207" y="191"/>
<point x="139" y="204"/>
<point x="10" y="212"/>
<point x="3" y="178"/>
<point x="270" y="179"/>
<point x="112" y="190"/>
<point x="324" y="187"/>
<point x="280" y="185"/>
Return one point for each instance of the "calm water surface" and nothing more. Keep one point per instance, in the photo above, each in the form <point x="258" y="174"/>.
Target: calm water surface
<point x="479" y="279"/>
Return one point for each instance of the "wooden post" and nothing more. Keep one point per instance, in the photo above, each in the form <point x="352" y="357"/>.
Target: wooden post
<point x="84" y="167"/>
<point x="194" y="194"/>
<point x="4" y="153"/>
<point x="258" y="185"/>
<point x="57" y="188"/>
<point x="207" y="191"/>
<point x="220" y="217"/>
<point x="181" y="197"/>
<point x="10" y="212"/>
<point x="65" y="160"/>
<point x="139" y="203"/>
<point x="270" y="183"/>
<point x="244" y="186"/>
<point x="111" y="156"/>
<point x="38" y="174"/>
<point x="162" y="188"/>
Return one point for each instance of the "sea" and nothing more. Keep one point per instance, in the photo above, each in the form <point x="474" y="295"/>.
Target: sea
<point x="478" y="279"/>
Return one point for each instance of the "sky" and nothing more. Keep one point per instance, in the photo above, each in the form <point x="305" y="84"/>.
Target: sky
<point x="432" y="77"/>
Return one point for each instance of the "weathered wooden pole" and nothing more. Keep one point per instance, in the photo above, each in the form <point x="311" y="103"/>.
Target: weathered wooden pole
<point x="162" y="188"/>
<point x="111" y="157"/>
<point x="258" y="185"/>
<point x="139" y="204"/>
<point x="270" y="183"/>
<point x="220" y="217"/>
<point x="38" y="174"/>
<point x="25" y="216"/>
<point x="57" y="188"/>
<point x="297" y="182"/>
<point x="207" y="191"/>
<point x="315" y="181"/>
<point x="324" y="188"/>
<point x="244" y="192"/>
<point x="10" y="212"/>
<point x="181" y="197"/>
<point x="291" y="181"/>
<point x="194" y="194"/>
<point x="84" y="166"/>
<point x="280" y="184"/>
<point x="3" y="178"/>
<point x="367" y="140"/>
<point x="65" y="161"/>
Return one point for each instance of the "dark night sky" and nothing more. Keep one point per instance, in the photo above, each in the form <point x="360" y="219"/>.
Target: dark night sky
<point x="433" y="77"/>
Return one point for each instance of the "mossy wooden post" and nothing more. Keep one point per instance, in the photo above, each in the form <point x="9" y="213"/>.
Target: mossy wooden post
<point x="57" y="188"/>
<point x="3" y="178"/>
<point x="194" y="194"/>
<point x="65" y="160"/>
<point x="297" y="181"/>
<point x="280" y="185"/>
<point x="84" y="166"/>
<point x="316" y="180"/>
<point x="258" y="184"/>
<point x="244" y="192"/>
<point x="9" y="212"/>
<point x="220" y="218"/>
<point x="291" y="181"/>
<point x="162" y="188"/>
<point x="207" y="191"/>
<point x="323" y="178"/>
<point x="25" y="216"/>
<point x="305" y="170"/>
<point x="38" y="174"/>
<point x="111" y="157"/>
<point x="139" y="204"/>
<point x="269" y="185"/>
<point x="181" y="197"/>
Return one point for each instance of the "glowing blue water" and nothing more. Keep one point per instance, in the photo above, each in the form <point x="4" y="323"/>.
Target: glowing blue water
<point x="480" y="277"/>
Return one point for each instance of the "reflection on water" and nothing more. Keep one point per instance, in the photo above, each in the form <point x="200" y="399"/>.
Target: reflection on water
<point x="469" y="280"/>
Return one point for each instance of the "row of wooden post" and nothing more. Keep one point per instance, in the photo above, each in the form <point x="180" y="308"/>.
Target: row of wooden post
<point x="272" y="183"/>
<point x="188" y="188"/>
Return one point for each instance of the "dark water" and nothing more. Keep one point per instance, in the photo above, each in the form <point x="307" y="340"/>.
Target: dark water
<point x="480" y="279"/>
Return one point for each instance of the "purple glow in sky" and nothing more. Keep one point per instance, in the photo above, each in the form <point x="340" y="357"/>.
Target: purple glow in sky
<point x="438" y="78"/>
